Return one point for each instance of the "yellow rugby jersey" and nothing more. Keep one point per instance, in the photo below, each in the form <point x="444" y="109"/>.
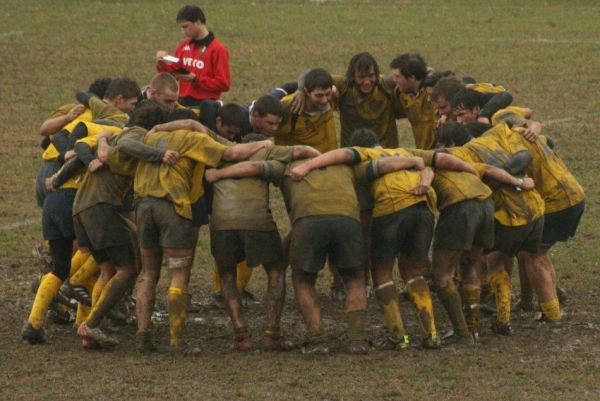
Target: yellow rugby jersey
<point x="104" y="111"/>
<point x="485" y="87"/>
<point x="159" y="180"/>
<point x="512" y="207"/>
<point x="391" y="192"/>
<point x="420" y="112"/>
<point x="553" y="180"/>
<point x="497" y="116"/>
<point x="96" y="129"/>
<point x="50" y="153"/>
<point x="317" y="131"/>
<point x="374" y="111"/>
<point x="325" y="191"/>
<point x="456" y="186"/>
<point x="119" y="162"/>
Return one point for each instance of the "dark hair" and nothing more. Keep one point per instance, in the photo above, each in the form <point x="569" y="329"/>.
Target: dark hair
<point x="125" y="87"/>
<point x="365" y="138"/>
<point x="253" y="137"/>
<point x="191" y="13"/>
<point x="232" y="114"/>
<point x="361" y="63"/>
<point x="99" y="86"/>
<point x="446" y="87"/>
<point x="477" y="128"/>
<point x="451" y="133"/>
<point x="433" y="78"/>
<point x="181" y="114"/>
<point x="147" y="114"/>
<point x="410" y="64"/>
<point x="317" y="78"/>
<point x="465" y="99"/>
<point x="268" y="104"/>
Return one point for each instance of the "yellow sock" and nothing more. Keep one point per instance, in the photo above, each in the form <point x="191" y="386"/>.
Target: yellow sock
<point x="387" y="295"/>
<point x="177" y="303"/>
<point x="83" y="312"/>
<point x="501" y="286"/>
<point x="551" y="310"/>
<point x="98" y="294"/>
<point x="49" y="286"/>
<point x="421" y="297"/>
<point x="96" y="291"/>
<point x="88" y="271"/>
<point x="243" y="275"/>
<point x="77" y="261"/>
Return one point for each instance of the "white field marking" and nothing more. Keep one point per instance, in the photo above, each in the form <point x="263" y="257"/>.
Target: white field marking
<point x="11" y="33"/>
<point x="579" y="118"/>
<point x="19" y="224"/>
<point x="542" y="40"/>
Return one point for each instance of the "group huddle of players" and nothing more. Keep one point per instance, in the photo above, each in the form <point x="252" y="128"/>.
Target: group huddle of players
<point x="131" y="182"/>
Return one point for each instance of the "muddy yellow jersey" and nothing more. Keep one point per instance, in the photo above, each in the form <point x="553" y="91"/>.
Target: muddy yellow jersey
<point x="325" y="191"/>
<point x="243" y="203"/>
<point x="51" y="153"/>
<point x="104" y="111"/>
<point x="374" y="111"/>
<point x="174" y="182"/>
<point x="316" y="130"/>
<point x="420" y="112"/>
<point x="512" y="207"/>
<point x="553" y="180"/>
<point x="503" y="113"/>
<point x="391" y="192"/>
<point x="455" y="186"/>
<point x="485" y="87"/>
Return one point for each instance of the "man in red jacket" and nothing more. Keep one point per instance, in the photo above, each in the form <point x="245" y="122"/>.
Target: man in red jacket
<point x="200" y="63"/>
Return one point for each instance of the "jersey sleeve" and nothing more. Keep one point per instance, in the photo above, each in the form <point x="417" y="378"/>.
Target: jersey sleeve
<point x="274" y="172"/>
<point x="428" y="156"/>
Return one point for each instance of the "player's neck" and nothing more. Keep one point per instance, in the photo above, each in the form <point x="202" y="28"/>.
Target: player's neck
<point x="202" y="33"/>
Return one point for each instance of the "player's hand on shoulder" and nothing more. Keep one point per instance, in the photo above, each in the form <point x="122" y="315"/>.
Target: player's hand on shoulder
<point x="75" y="112"/>
<point x="297" y="105"/>
<point x="170" y="157"/>
<point x="210" y="175"/>
<point x="94" y="165"/>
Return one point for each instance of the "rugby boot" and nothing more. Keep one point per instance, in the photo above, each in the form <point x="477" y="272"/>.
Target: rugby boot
<point x="279" y="343"/>
<point x="358" y="347"/>
<point x="502" y="329"/>
<point x="184" y="350"/>
<point x="562" y="294"/>
<point x="76" y="292"/>
<point x="242" y="341"/>
<point x="315" y="348"/>
<point x="243" y="344"/>
<point x="431" y="341"/>
<point x="338" y="293"/>
<point x="96" y="335"/>
<point x="248" y="298"/>
<point x="144" y="342"/>
<point x="32" y="335"/>
<point x="392" y="344"/>
<point x="59" y="313"/>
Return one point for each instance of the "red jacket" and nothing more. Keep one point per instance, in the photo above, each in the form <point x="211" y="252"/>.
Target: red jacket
<point x="209" y="60"/>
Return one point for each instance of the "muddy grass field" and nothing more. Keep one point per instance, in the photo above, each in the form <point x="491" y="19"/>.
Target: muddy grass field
<point x="547" y="53"/>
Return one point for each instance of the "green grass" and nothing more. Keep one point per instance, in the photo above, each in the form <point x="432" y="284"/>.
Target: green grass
<point x="547" y="53"/>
